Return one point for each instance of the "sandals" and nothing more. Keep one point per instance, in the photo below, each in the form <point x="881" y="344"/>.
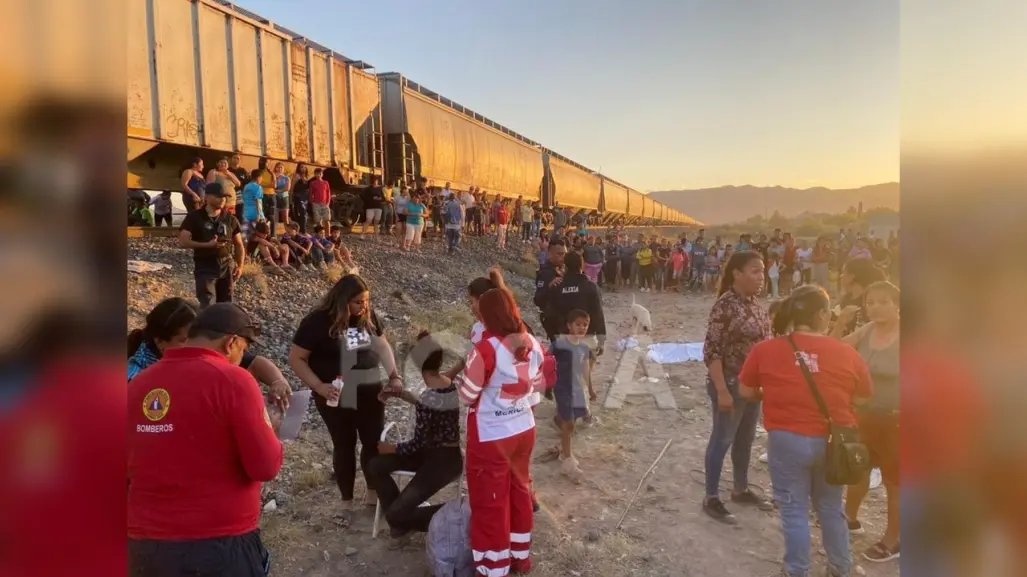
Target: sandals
<point x="343" y="518"/>
<point x="880" y="553"/>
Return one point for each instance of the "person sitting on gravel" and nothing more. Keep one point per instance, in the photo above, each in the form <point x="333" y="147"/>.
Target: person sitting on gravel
<point x="325" y="244"/>
<point x="338" y="351"/>
<point x="265" y="250"/>
<point x="433" y="452"/>
<point x="141" y="214"/>
<point x="342" y="254"/>
<point x="167" y="327"/>
<point x="306" y="253"/>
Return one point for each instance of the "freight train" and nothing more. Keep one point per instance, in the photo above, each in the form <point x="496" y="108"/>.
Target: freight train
<point x="208" y="78"/>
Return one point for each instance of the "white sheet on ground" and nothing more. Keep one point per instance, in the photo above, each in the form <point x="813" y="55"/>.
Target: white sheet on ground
<point x="145" y="266"/>
<point x="669" y="353"/>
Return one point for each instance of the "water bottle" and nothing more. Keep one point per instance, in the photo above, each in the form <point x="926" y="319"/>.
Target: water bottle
<point x="337" y="383"/>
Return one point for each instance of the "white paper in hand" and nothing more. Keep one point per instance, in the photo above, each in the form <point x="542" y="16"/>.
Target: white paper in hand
<point x="293" y="419"/>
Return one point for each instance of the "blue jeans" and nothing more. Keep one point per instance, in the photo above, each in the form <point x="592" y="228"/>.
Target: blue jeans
<point x="797" y="473"/>
<point x="452" y="238"/>
<point x="733" y="430"/>
<point x="921" y="557"/>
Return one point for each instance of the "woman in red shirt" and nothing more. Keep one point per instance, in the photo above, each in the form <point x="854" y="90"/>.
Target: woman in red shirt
<point x="502" y="221"/>
<point x="502" y="373"/>
<point x="797" y="430"/>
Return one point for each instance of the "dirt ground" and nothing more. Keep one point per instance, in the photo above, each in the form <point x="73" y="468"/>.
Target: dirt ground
<point x="664" y="533"/>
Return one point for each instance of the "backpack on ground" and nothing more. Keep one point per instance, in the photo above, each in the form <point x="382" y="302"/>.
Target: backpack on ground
<point x="448" y="543"/>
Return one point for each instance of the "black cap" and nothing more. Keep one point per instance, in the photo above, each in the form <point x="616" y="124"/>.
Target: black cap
<point x="228" y="319"/>
<point x="214" y="189"/>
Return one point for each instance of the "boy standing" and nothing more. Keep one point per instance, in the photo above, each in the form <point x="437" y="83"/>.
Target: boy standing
<point x="574" y="353"/>
<point x="321" y="198"/>
<point x="453" y="211"/>
<point x="252" y="204"/>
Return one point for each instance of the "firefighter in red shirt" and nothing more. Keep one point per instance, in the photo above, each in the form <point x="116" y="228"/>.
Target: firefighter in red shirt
<point x="200" y="444"/>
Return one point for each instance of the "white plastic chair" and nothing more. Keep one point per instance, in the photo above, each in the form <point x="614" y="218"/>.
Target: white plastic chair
<point x="397" y="475"/>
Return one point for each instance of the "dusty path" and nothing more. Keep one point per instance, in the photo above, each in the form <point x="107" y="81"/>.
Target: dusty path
<point x="665" y="534"/>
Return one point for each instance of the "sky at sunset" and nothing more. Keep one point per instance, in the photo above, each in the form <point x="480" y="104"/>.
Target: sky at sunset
<point x="657" y="94"/>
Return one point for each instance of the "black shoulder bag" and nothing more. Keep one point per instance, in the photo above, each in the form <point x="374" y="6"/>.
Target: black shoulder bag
<point x="847" y="459"/>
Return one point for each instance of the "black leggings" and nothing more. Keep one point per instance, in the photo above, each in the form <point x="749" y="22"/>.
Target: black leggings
<point x="344" y="426"/>
<point x="434" y="468"/>
<point x="645" y="276"/>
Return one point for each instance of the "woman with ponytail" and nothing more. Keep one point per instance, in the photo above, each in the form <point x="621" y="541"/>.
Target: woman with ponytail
<point x="167" y="326"/>
<point x="502" y="373"/>
<point x="737" y="322"/>
<point x="797" y="430"/>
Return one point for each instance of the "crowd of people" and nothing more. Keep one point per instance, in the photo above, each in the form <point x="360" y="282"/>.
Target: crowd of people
<point x="812" y="371"/>
<point x="826" y="382"/>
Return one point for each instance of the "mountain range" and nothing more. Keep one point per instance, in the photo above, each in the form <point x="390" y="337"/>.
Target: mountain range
<point x="728" y="204"/>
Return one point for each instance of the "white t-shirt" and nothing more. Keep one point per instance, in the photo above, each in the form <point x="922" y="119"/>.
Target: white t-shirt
<point x="774" y="272"/>
<point x="805" y="258"/>
<point x="446" y="193"/>
<point x="468" y="200"/>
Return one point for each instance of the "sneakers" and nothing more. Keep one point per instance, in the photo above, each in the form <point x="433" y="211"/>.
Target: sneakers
<point x="569" y="468"/>
<point x="715" y="508"/>
<point x="855" y="528"/>
<point x="881" y="553"/>
<point x="749" y="498"/>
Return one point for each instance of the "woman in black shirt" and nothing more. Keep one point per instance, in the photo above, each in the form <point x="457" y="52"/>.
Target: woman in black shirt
<point x="343" y="340"/>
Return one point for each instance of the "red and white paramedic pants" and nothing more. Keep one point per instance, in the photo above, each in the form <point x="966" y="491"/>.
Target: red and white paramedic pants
<point x="499" y="492"/>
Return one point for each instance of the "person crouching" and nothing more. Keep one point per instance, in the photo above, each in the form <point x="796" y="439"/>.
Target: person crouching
<point x="501" y="374"/>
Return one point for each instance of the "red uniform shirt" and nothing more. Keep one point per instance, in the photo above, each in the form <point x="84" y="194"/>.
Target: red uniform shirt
<point x="320" y="192"/>
<point x="788" y="404"/>
<point x="200" y="444"/>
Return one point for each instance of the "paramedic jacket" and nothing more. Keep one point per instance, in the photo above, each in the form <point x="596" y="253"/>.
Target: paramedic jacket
<point x="545" y="275"/>
<point x="576" y="292"/>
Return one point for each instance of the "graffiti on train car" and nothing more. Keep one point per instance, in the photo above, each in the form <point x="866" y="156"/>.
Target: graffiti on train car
<point x="276" y="132"/>
<point x="177" y="126"/>
<point x="261" y="90"/>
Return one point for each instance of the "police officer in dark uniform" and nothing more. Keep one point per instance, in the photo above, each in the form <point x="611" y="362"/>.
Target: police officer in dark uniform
<point x="577" y="292"/>
<point x="549" y="275"/>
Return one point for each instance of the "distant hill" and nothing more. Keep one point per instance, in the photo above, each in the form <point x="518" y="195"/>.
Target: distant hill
<point x="729" y="204"/>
